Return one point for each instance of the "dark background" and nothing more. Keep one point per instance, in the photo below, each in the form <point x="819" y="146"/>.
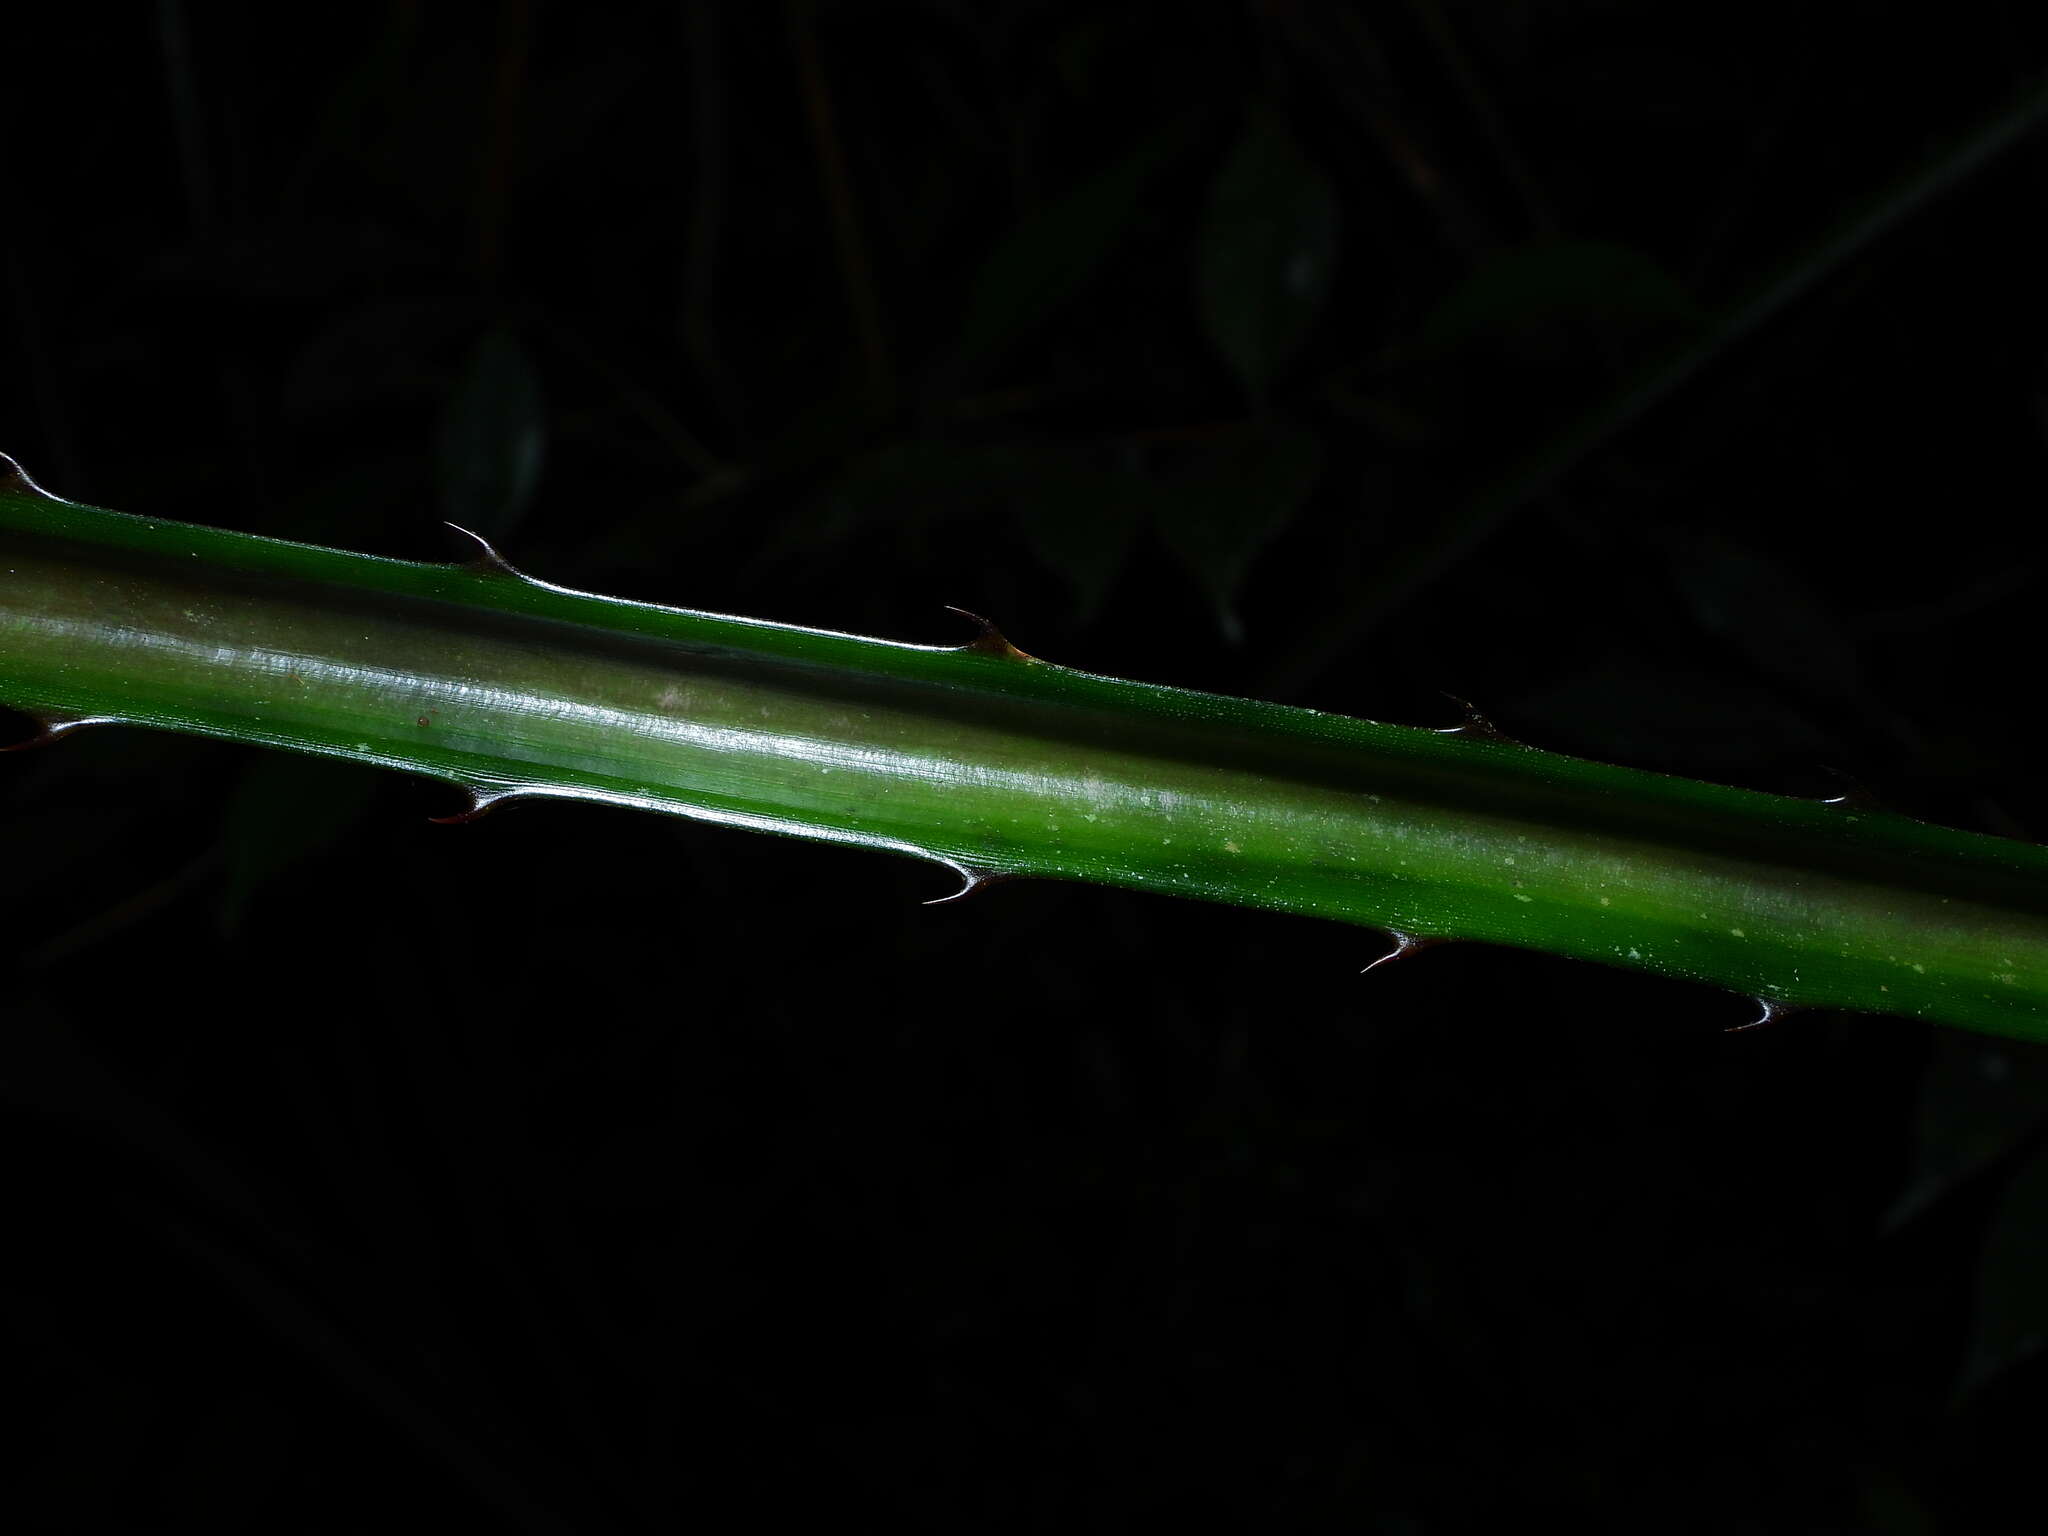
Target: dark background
<point x="1671" y="379"/>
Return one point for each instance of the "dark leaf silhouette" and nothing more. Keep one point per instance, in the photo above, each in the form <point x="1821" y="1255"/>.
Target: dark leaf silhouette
<point x="1268" y="252"/>
<point x="1231" y="498"/>
<point x="493" y="437"/>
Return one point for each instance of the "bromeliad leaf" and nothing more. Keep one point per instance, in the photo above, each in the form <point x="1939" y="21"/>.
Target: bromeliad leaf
<point x="996" y="764"/>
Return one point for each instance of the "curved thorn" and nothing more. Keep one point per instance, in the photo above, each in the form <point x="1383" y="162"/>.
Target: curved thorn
<point x="52" y="728"/>
<point x="481" y="803"/>
<point x="991" y="641"/>
<point x="1772" y="1011"/>
<point x="14" y="478"/>
<point x="1475" y="725"/>
<point x="484" y="557"/>
<point x="1855" y="793"/>
<point x="1405" y="944"/>
<point x="972" y="881"/>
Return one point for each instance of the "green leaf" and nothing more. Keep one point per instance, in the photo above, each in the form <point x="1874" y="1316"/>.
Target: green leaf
<point x="1074" y="505"/>
<point x="1057" y="251"/>
<point x="1232" y="500"/>
<point x="1078" y="514"/>
<point x="899" y="491"/>
<point x="1762" y="608"/>
<point x="1560" y="281"/>
<point x="493" y="438"/>
<point x="994" y="763"/>
<point x="1268" y="249"/>
<point x="1979" y="1100"/>
<point x="286" y="811"/>
<point x="2011" y="1322"/>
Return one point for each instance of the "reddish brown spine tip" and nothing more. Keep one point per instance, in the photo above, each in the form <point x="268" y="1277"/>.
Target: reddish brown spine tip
<point x="1475" y="726"/>
<point x="1405" y="944"/>
<point x="483" y="557"/>
<point x="481" y="803"/>
<point x="1770" y="1012"/>
<point x="50" y="728"/>
<point x="15" y="481"/>
<point x="990" y="642"/>
<point x="972" y="882"/>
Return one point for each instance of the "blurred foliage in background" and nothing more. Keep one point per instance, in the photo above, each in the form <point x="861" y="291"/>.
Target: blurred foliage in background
<point x="1670" y="379"/>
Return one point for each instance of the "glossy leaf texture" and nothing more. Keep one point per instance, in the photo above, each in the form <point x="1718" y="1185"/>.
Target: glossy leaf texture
<point x="997" y="764"/>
